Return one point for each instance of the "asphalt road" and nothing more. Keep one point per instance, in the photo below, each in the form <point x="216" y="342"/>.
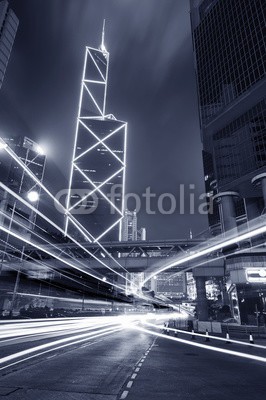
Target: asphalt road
<point x="134" y="365"/>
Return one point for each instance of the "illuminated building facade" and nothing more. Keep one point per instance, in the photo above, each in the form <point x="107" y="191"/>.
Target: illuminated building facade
<point x="130" y="233"/>
<point x="8" y="29"/>
<point x="229" y="51"/>
<point x="130" y="226"/>
<point x="97" y="181"/>
<point x="170" y="285"/>
<point x="20" y="183"/>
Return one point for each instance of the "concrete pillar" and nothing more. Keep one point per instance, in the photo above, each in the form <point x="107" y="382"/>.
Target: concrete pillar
<point x="261" y="180"/>
<point x="154" y="284"/>
<point x="227" y="209"/>
<point x="202" y="302"/>
<point x="225" y="295"/>
<point x="252" y="208"/>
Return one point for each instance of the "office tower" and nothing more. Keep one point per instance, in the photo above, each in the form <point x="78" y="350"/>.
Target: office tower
<point x="130" y="231"/>
<point x="142" y="234"/>
<point x="229" y="48"/>
<point x="8" y="28"/>
<point x="97" y="181"/>
<point x="12" y="211"/>
<point x="130" y="226"/>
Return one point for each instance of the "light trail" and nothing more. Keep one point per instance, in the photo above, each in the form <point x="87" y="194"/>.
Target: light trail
<point x="26" y="352"/>
<point x="223" y="243"/>
<point x="84" y="329"/>
<point x="94" y="327"/>
<point x="69" y="216"/>
<point x="62" y="252"/>
<point x="240" y="251"/>
<point x="204" y="336"/>
<point x="7" y="334"/>
<point x="202" y="346"/>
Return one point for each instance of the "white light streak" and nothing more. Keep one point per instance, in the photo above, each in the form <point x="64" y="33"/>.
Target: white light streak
<point x="202" y="346"/>
<point x="204" y="336"/>
<point x="210" y="249"/>
<point x="40" y="184"/>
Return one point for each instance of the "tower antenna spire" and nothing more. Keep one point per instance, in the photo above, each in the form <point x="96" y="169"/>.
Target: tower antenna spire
<point x="103" y="34"/>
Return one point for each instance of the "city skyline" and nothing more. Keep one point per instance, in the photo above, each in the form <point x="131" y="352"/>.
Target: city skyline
<point x="146" y="97"/>
<point x="132" y="199"/>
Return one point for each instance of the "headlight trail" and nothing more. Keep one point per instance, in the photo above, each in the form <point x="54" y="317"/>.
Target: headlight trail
<point x="9" y="334"/>
<point x="204" y="336"/>
<point x="94" y="327"/>
<point x="70" y="217"/>
<point x="221" y="242"/>
<point x="202" y="346"/>
<point x="26" y="352"/>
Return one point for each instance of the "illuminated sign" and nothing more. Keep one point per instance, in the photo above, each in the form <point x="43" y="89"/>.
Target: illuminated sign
<point x="257" y="275"/>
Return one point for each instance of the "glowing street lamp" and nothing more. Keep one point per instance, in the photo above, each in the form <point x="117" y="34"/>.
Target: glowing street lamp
<point x="3" y="145"/>
<point x="33" y="196"/>
<point x="40" y="150"/>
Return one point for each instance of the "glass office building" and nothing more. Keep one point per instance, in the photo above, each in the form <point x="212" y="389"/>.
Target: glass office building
<point x="13" y="213"/>
<point x="230" y="64"/>
<point x="229" y="49"/>
<point x="8" y="28"/>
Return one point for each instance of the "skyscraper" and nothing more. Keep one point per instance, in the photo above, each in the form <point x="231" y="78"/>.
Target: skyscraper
<point x="14" y="178"/>
<point x="229" y="48"/>
<point x="130" y="226"/>
<point x="97" y="181"/>
<point x="8" y="28"/>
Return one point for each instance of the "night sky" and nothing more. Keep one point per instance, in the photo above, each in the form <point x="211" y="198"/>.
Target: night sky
<point x="151" y="85"/>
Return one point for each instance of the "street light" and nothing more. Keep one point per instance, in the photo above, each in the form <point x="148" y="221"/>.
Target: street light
<point x="40" y="150"/>
<point x="3" y="145"/>
<point x="33" y="196"/>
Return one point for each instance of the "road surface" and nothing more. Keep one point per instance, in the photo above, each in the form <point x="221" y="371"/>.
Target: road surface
<point x="129" y="364"/>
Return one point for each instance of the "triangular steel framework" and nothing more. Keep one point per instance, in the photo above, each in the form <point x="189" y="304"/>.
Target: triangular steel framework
<point x="92" y="154"/>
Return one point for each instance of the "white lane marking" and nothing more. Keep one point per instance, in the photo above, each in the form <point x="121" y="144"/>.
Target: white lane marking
<point x="51" y="356"/>
<point x="129" y="384"/>
<point x="137" y="369"/>
<point x="133" y="376"/>
<point x="124" y="394"/>
<point x="89" y="344"/>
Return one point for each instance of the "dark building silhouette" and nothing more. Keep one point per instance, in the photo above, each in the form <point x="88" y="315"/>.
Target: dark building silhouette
<point x="8" y="28"/>
<point x="229" y="48"/>
<point x="12" y="211"/>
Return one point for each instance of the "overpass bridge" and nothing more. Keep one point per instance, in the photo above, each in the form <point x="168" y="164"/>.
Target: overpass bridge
<point x="120" y="256"/>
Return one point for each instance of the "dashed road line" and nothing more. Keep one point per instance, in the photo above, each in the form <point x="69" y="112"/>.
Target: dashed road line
<point x="124" y="394"/>
<point x="137" y="369"/>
